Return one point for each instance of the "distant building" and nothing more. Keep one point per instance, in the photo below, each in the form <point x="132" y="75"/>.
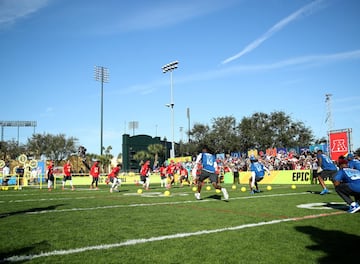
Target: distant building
<point x="133" y="144"/>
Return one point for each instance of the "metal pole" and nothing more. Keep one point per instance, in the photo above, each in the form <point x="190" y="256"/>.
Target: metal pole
<point x="101" y="75"/>
<point x="102" y="109"/>
<point x="188" y="116"/>
<point x="18" y="135"/>
<point x="172" y="154"/>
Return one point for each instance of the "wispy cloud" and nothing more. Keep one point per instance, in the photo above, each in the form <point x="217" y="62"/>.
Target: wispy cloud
<point x="346" y="104"/>
<point x="347" y="99"/>
<point x="306" y="61"/>
<point x="13" y="10"/>
<point x="141" y="89"/>
<point x="302" y="12"/>
<point x="311" y="60"/>
<point x="166" y="13"/>
<point x="49" y="112"/>
<point x="349" y="108"/>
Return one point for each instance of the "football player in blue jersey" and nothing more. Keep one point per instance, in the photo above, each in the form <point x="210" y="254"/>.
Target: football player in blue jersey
<point x="352" y="162"/>
<point x="205" y="168"/>
<point x="347" y="184"/>
<point x="326" y="170"/>
<point x="257" y="174"/>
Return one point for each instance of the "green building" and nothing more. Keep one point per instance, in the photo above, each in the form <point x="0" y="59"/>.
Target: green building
<point x="137" y="143"/>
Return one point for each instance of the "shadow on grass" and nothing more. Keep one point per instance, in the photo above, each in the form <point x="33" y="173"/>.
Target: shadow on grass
<point x="313" y="192"/>
<point x="337" y="206"/>
<point x="214" y="196"/>
<point x="42" y="246"/>
<point x="31" y="210"/>
<point x="338" y="246"/>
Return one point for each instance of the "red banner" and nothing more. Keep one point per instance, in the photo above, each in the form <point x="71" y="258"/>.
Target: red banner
<point x="338" y="143"/>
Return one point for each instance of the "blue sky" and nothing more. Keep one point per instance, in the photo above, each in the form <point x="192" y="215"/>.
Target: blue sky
<point x="236" y="57"/>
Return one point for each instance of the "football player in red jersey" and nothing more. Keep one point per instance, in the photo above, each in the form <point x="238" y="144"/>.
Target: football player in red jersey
<point x="163" y="177"/>
<point x="67" y="175"/>
<point x="144" y="174"/>
<point x="170" y="171"/>
<point x="50" y="175"/>
<point x="113" y="178"/>
<point x="95" y="172"/>
<point x="184" y="176"/>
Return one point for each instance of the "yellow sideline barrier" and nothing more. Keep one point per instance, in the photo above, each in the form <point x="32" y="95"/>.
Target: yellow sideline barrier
<point x="277" y="177"/>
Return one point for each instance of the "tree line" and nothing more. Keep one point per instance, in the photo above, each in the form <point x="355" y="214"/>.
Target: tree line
<point x="258" y="131"/>
<point x="51" y="147"/>
<point x="225" y="135"/>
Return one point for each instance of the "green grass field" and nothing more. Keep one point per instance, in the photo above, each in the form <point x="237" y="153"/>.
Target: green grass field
<point x="87" y="226"/>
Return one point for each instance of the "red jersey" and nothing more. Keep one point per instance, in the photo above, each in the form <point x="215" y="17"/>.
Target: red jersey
<point x="184" y="172"/>
<point x="67" y="169"/>
<point x="145" y="169"/>
<point x="170" y="169"/>
<point x="50" y="169"/>
<point x="114" y="173"/>
<point x="162" y="171"/>
<point x="95" y="170"/>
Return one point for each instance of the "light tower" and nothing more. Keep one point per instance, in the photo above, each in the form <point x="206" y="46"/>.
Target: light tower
<point x="170" y="67"/>
<point x="101" y="74"/>
<point x="328" y="119"/>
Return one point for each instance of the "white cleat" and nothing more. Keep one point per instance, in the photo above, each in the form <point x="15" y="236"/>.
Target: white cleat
<point x="225" y="193"/>
<point x="197" y="196"/>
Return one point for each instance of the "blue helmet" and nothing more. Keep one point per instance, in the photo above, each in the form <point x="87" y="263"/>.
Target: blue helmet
<point x="350" y="156"/>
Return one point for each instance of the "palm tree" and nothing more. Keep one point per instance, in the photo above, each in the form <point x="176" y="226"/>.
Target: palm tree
<point x="142" y="155"/>
<point x="155" y="149"/>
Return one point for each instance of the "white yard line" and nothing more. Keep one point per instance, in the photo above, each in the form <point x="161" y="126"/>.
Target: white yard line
<point x="156" y="204"/>
<point x="159" y="238"/>
<point x="49" y="199"/>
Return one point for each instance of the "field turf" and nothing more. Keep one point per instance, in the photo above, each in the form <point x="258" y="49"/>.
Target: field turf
<point x="283" y="225"/>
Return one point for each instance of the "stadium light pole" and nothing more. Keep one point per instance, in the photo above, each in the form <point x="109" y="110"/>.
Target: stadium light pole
<point x="101" y="75"/>
<point x="170" y="67"/>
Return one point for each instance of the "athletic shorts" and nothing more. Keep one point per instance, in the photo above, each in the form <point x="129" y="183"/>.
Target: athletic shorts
<point x="67" y="178"/>
<point x="114" y="179"/>
<point x="327" y="174"/>
<point x="258" y="179"/>
<point x="213" y="177"/>
<point x="143" y="178"/>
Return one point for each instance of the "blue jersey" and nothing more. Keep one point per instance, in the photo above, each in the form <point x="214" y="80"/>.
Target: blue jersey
<point x="326" y="162"/>
<point x="354" y="164"/>
<point x="258" y="168"/>
<point x="350" y="176"/>
<point x="208" y="162"/>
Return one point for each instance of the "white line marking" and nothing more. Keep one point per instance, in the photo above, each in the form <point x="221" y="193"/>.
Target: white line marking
<point x="50" y="199"/>
<point x="322" y="206"/>
<point x="151" y="239"/>
<point x="155" y="204"/>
